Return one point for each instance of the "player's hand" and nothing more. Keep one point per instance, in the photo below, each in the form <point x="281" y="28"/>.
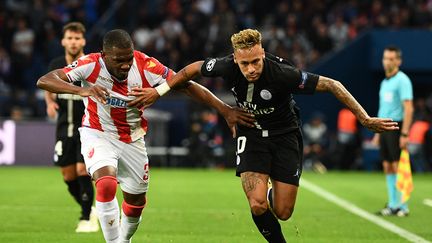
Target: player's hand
<point x="379" y="125"/>
<point x="236" y="115"/>
<point x="51" y="109"/>
<point x="375" y="140"/>
<point x="145" y="97"/>
<point x="98" y="92"/>
<point x="403" y="142"/>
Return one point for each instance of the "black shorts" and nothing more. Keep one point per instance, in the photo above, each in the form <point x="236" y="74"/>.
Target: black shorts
<point x="67" y="151"/>
<point x="389" y="145"/>
<point x="279" y="156"/>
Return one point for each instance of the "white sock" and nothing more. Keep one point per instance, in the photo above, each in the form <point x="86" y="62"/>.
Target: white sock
<point x="109" y="218"/>
<point x="128" y="226"/>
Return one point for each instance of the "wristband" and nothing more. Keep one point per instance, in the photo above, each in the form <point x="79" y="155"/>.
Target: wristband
<point x="404" y="134"/>
<point x="163" y="89"/>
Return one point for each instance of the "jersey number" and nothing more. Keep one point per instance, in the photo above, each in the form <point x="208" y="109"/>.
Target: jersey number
<point x="58" y="149"/>
<point x="241" y="144"/>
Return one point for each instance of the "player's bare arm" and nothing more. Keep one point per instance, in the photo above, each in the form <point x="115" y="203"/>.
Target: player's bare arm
<point x="232" y="115"/>
<point x="57" y="82"/>
<point x="406" y="124"/>
<point x="147" y="96"/>
<point x="51" y="104"/>
<point x="343" y="95"/>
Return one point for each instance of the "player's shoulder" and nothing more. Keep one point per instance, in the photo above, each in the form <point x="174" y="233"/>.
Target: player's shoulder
<point x="147" y="62"/>
<point x="223" y="64"/>
<point x="86" y="59"/>
<point x="92" y="57"/>
<point x="89" y="60"/>
<point x="56" y="63"/>
<point x="279" y="65"/>
<point x="278" y="60"/>
<point x="403" y="76"/>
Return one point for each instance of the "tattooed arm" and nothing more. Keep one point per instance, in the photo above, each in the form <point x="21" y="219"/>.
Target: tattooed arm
<point x="147" y="96"/>
<point x="189" y="72"/>
<point x="343" y="95"/>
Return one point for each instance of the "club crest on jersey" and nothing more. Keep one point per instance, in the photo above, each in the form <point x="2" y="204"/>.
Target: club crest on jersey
<point x="73" y="65"/>
<point x="304" y="77"/>
<point x="265" y="94"/>
<point x="210" y="64"/>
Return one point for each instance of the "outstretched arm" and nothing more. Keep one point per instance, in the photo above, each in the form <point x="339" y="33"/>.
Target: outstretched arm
<point x="233" y="116"/>
<point x="56" y="81"/>
<point x="343" y="95"/>
<point x="146" y="97"/>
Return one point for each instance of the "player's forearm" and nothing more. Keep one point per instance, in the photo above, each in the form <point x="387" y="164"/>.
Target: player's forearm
<point x="408" y="116"/>
<point x="343" y="95"/>
<point x="49" y="97"/>
<point x="52" y="82"/>
<point x="189" y="72"/>
<point x="203" y="95"/>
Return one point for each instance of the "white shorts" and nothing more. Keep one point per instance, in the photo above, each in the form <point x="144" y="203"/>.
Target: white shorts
<point x="129" y="159"/>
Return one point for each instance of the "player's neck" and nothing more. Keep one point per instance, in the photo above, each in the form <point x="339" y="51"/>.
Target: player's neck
<point x="392" y="73"/>
<point x="71" y="58"/>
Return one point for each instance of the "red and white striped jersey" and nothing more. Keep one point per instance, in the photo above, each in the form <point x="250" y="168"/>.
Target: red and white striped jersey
<point x="115" y="118"/>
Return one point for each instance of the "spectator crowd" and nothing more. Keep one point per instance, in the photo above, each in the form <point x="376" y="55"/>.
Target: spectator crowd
<point x="178" y="32"/>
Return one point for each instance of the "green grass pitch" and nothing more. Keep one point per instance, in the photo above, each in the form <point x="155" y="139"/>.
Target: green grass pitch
<point x="207" y="206"/>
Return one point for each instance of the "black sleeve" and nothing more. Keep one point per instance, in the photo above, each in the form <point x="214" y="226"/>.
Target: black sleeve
<point x="298" y="81"/>
<point x="56" y="63"/>
<point x="217" y="67"/>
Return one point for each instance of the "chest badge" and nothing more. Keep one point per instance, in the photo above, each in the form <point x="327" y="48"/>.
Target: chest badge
<point x="265" y="94"/>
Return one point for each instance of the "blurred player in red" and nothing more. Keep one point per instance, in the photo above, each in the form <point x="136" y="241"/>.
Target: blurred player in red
<point x="69" y="110"/>
<point x="113" y="126"/>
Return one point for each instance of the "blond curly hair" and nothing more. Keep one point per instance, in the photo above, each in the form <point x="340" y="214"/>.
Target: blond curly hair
<point x="245" y="39"/>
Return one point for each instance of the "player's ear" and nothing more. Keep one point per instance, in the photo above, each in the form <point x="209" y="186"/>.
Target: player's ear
<point x="63" y="42"/>
<point x="84" y="42"/>
<point x="235" y="60"/>
<point x="263" y="53"/>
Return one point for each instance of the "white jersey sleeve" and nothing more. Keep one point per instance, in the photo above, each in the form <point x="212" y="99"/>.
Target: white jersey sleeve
<point x="81" y="69"/>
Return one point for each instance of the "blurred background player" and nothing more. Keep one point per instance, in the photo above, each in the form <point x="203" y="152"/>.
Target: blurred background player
<point x="348" y="142"/>
<point x="68" y="109"/>
<point x="396" y="102"/>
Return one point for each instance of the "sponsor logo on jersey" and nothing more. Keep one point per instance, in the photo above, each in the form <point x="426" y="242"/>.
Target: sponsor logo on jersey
<point x="304" y="77"/>
<point x="105" y="79"/>
<point x="116" y="102"/>
<point x="252" y="108"/>
<point x="265" y="94"/>
<point x="210" y="64"/>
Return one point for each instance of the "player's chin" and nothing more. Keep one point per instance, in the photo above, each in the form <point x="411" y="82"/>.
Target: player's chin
<point x="252" y="78"/>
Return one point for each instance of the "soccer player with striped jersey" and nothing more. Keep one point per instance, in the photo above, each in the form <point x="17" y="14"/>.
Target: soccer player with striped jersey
<point x="113" y="126"/>
<point x="263" y="84"/>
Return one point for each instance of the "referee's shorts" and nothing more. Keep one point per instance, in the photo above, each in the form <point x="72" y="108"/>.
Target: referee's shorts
<point x="390" y="146"/>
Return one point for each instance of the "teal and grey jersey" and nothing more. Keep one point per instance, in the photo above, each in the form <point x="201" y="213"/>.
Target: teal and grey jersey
<point x="393" y="92"/>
